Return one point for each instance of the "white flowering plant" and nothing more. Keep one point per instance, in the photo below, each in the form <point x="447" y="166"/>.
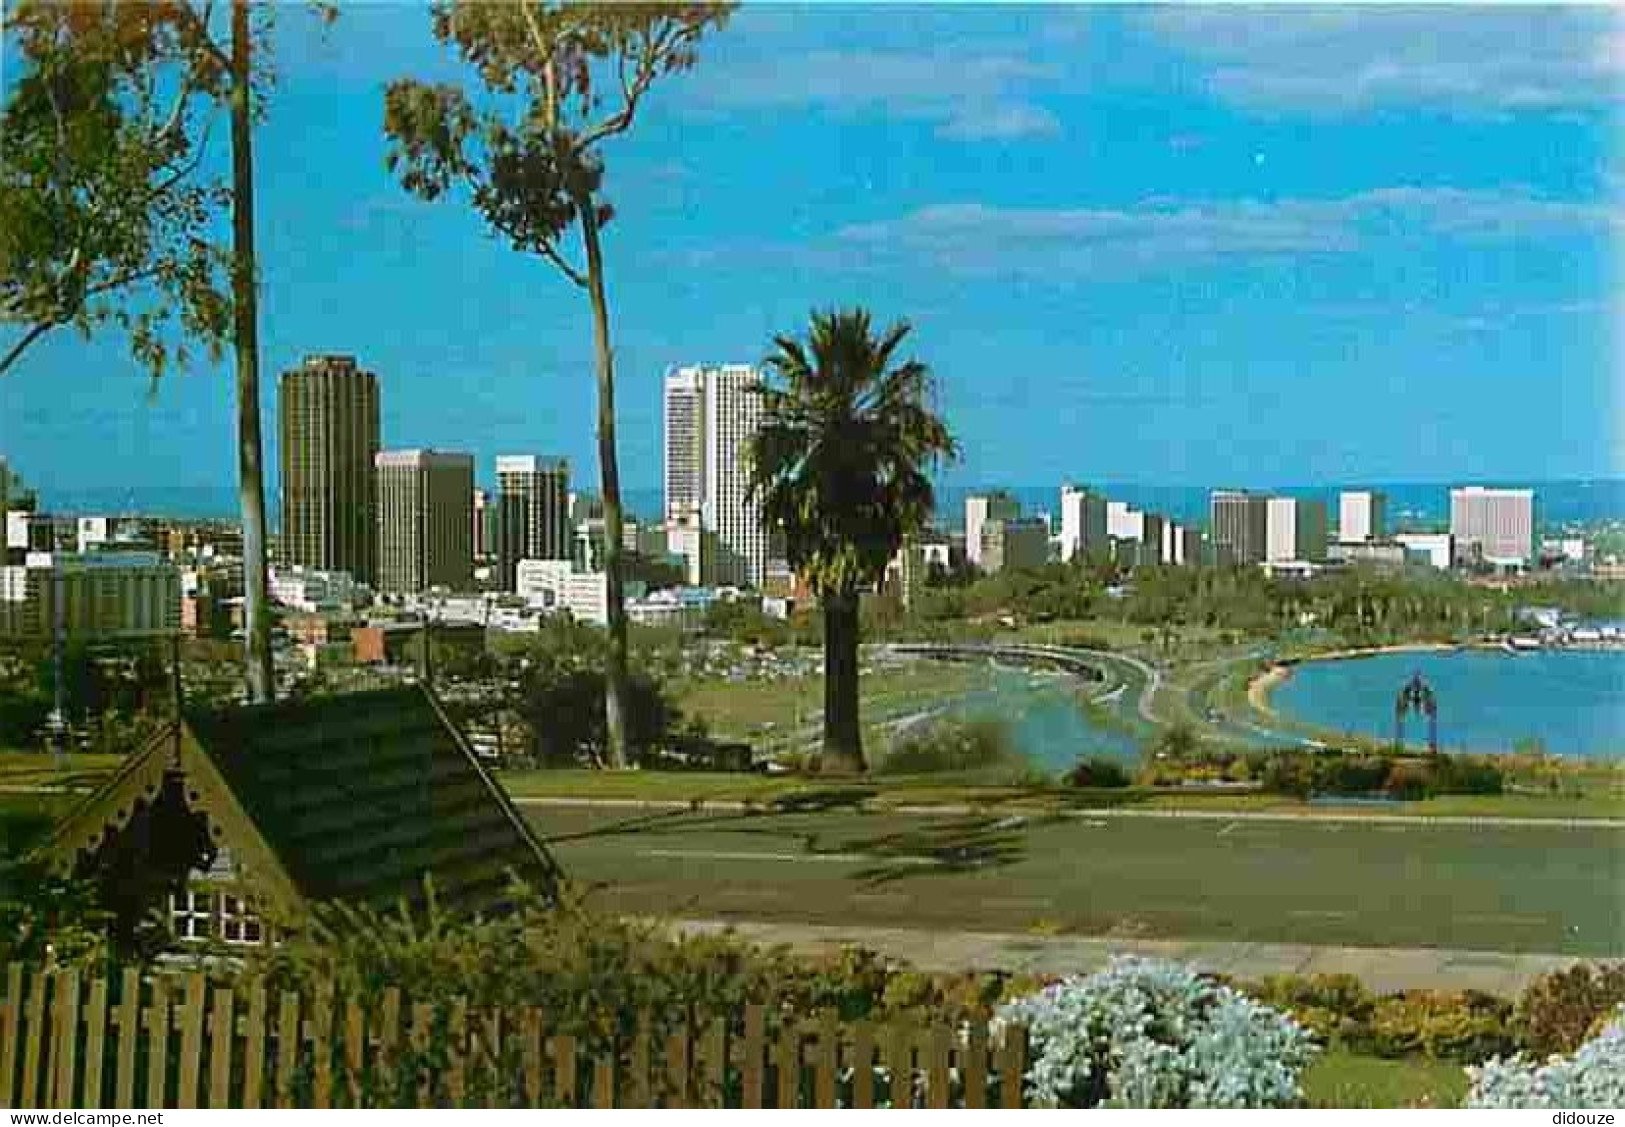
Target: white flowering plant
<point x="1593" y="1077"/>
<point x="1148" y="1033"/>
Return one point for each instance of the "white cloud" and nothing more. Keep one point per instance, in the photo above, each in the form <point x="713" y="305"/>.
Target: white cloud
<point x="975" y="238"/>
<point x="967" y="96"/>
<point x="1336" y="60"/>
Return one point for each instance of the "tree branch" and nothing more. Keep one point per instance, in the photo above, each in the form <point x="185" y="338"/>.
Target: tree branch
<point x="551" y="253"/>
<point x="15" y="352"/>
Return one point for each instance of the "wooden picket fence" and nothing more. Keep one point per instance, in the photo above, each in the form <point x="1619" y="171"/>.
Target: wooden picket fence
<point x="178" y="1040"/>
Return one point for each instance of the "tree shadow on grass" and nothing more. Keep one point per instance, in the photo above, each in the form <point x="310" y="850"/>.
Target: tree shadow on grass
<point x="942" y="847"/>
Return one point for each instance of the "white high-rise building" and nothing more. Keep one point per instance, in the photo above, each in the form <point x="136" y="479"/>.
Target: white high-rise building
<point x="1294" y="530"/>
<point x="980" y="509"/>
<point x="712" y="413"/>
<point x="683" y="455"/>
<point x="1495" y="526"/>
<point x="1083" y="524"/>
<point x="1362" y="516"/>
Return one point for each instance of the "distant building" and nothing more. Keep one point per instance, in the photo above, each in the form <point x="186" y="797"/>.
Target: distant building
<point x="1083" y="525"/>
<point x="558" y="585"/>
<point x="1493" y="526"/>
<point x="1016" y="544"/>
<point x="484" y="532"/>
<point x="1362" y="516"/>
<point x="712" y="413"/>
<point x="681" y="607"/>
<point x="1124" y="521"/>
<point x="100" y="596"/>
<point x="425" y="520"/>
<point x="1240" y="522"/>
<point x="979" y="509"/>
<point x="533" y="497"/>
<point x="328" y="414"/>
<point x="1387" y="555"/>
<point x="1181" y="545"/>
<point x="1295" y="529"/>
<point x="1433" y="549"/>
<point x="310" y="590"/>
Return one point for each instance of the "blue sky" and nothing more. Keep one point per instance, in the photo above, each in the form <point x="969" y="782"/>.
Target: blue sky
<point x="1159" y="245"/>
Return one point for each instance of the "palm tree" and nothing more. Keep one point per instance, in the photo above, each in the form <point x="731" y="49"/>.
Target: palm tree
<point x="840" y="466"/>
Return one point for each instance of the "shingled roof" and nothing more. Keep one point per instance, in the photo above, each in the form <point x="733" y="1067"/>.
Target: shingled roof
<point x="353" y="797"/>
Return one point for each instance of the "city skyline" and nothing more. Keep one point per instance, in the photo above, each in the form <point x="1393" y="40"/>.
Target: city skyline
<point x="1113" y="229"/>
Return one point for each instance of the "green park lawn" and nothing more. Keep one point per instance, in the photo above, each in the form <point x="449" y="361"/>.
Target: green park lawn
<point x="1341" y="1079"/>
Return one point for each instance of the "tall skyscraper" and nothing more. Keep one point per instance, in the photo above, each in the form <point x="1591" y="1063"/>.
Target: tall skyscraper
<point x="425" y="520"/>
<point x="711" y="414"/>
<point x="1362" y="516"/>
<point x="980" y="509"/>
<point x="485" y="525"/>
<point x="1494" y="526"/>
<point x="683" y="455"/>
<point x="1083" y="524"/>
<point x="328" y="412"/>
<point x="533" y="498"/>
<point x="1295" y="530"/>
<point x="1240" y="526"/>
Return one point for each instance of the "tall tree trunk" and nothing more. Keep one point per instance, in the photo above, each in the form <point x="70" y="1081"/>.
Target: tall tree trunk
<point x="245" y="315"/>
<point x="615" y="675"/>
<point x="843" y="736"/>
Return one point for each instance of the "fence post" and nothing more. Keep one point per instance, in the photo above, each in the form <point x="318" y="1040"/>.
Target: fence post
<point x="457" y="1052"/>
<point x="530" y="1042"/>
<point x="827" y="1061"/>
<point x="936" y="1076"/>
<point x="564" y="1069"/>
<point x="191" y="1057"/>
<point x="355" y="1049"/>
<point x="788" y="1059"/>
<point x="221" y="1044"/>
<point x="863" y="1065"/>
<point x="254" y="1047"/>
<point x="386" y="1038"/>
<point x="713" y="1053"/>
<point x="638" y="1087"/>
<point x="90" y="1096"/>
<point x="1013" y="1066"/>
<point x="129" y="1033"/>
<point x="677" y="1068"/>
<point x="11" y="1014"/>
<point x="754" y="1047"/>
<point x="33" y="1040"/>
<point x="975" y="1069"/>
<point x="65" y="1032"/>
<point x="287" y="1046"/>
<point x="158" y="1045"/>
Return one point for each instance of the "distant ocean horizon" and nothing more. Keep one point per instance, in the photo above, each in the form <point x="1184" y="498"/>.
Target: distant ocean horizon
<point x="1410" y="503"/>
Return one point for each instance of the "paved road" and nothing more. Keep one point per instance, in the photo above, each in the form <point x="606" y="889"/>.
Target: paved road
<point x="1354" y="882"/>
<point x="1383" y="969"/>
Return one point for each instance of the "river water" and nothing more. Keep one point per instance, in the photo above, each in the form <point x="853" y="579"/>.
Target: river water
<point x="1572" y="701"/>
<point x="1046" y="723"/>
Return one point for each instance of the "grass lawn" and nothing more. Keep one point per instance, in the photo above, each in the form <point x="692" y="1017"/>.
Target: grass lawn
<point x="699" y="787"/>
<point x="1341" y="1079"/>
<point x="36" y="769"/>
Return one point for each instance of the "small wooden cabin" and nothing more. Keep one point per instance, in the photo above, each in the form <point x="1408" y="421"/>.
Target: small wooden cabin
<point x="235" y="817"/>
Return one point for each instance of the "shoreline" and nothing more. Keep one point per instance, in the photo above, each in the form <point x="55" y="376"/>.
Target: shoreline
<point x="1263" y="683"/>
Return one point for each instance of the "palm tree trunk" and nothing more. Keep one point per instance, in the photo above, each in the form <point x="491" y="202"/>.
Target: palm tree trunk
<point x="615" y="676"/>
<point x="250" y="471"/>
<point x="843" y="736"/>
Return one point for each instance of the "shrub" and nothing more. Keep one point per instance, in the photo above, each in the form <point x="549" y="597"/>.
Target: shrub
<point x="1463" y="1026"/>
<point x="1148" y="1033"/>
<point x="1559" y="1010"/>
<point x="1097" y="771"/>
<point x="1336" y="1008"/>
<point x="1593" y="1077"/>
<point x="955" y="744"/>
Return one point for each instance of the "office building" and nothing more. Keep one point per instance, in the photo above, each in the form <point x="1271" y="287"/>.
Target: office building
<point x="1083" y="525"/>
<point x="101" y="596"/>
<point x="1432" y="549"/>
<point x="712" y="413"/>
<point x="1124" y="522"/>
<point x="1016" y="544"/>
<point x="328" y="414"/>
<point x="1181" y="545"/>
<point x="1381" y="554"/>
<point x="980" y="509"/>
<point x="425" y="520"/>
<point x="558" y="585"/>
<point x="533" y="500"/>
<point x="683" y="452"/>
<point x="1493" y="526"/>
<point x="1362" y="516"/>
<point x="1295" y="529"/>
<point x="1240" y="523"/>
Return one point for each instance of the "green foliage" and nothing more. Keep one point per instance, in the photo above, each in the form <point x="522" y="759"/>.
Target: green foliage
<point x="563" y="705"/>
<point x="1558" y="1011"/>
<point x="1306" y="773"/>
<point x="1465" y="1026"/>
<point x="105" y="216"/>
<point x="46" y="919"/>
<point x="1098" y="771"/>
<point x="948" y="745"/>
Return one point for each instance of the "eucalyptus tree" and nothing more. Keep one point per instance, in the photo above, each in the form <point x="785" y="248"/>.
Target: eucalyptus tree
<point x="553" y="82"/>
<point x="841" y="466"/>
<point x="108" y="207"/>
